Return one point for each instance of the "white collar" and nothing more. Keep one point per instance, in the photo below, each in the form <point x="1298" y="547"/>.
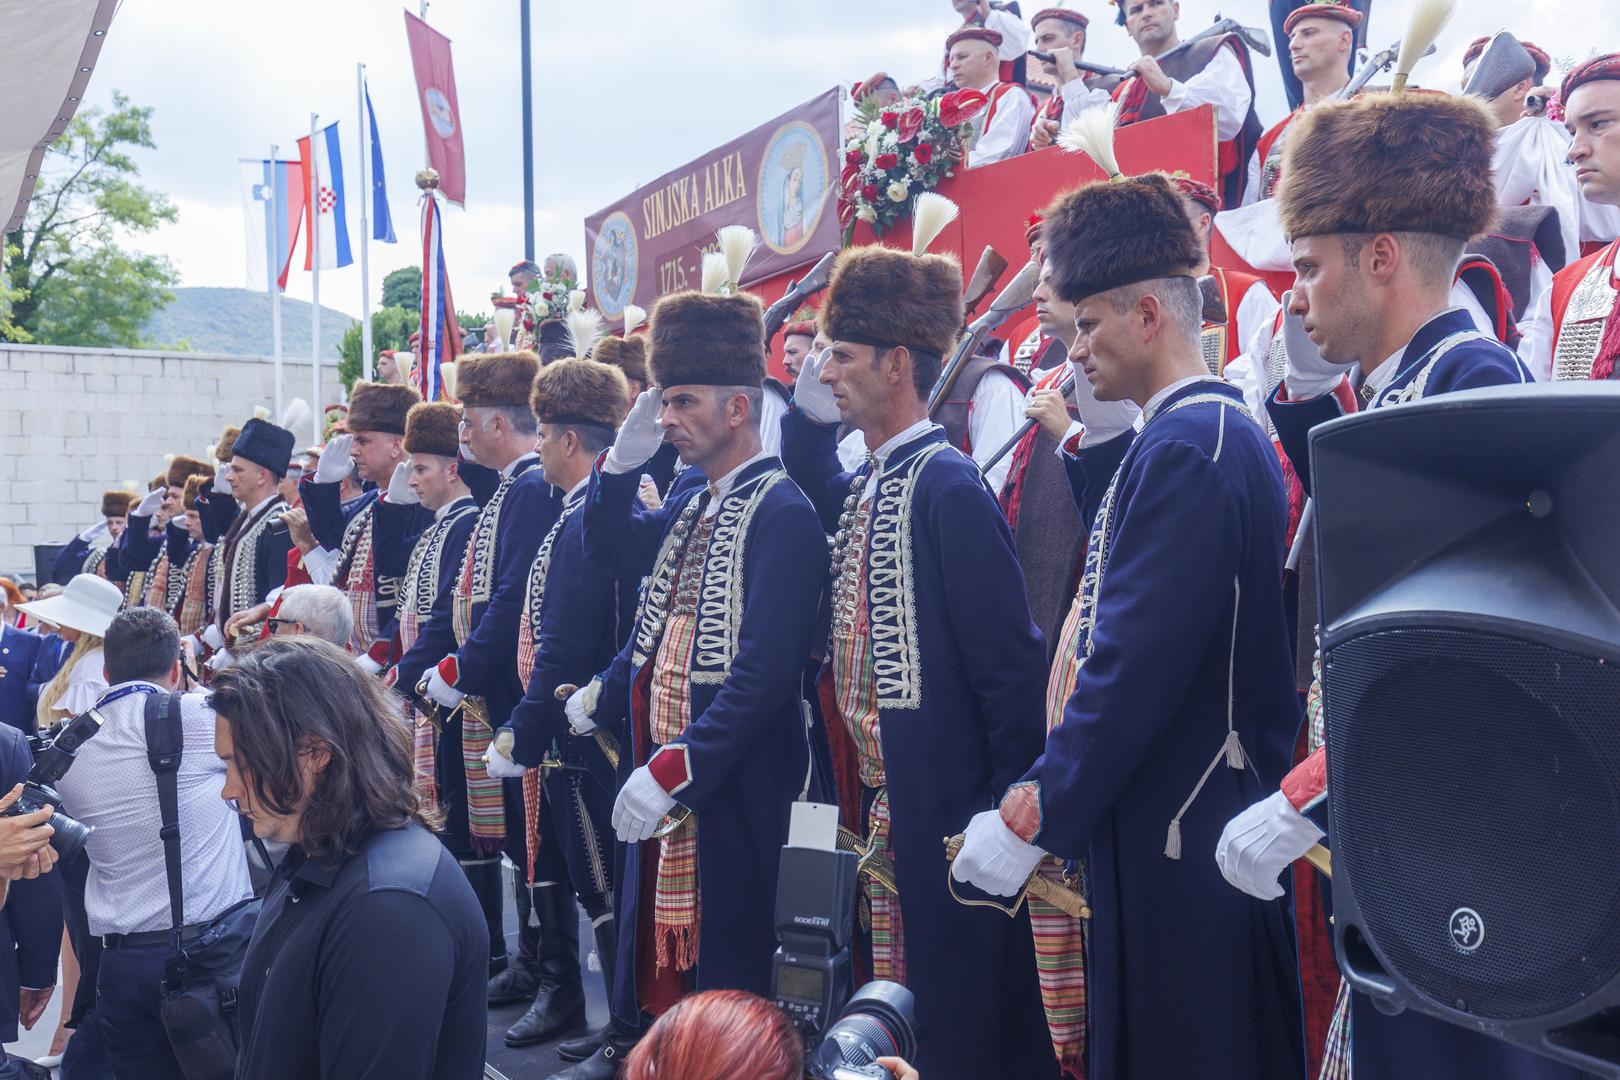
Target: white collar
<point x="577" y="492"/>
<point x="1381" y="376"/>
<point x="884" y="452"/>
<point x="719" y="489"/>
<point x="1153" y="403"/>
<point x="511" y="466"/>
<point x="266" y="501"/>
<point x="438" y="515"/>
<point x="989" y="87"/>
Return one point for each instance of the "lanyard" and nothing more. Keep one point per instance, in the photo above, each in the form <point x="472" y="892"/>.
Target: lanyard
<point x="124" y="692"/>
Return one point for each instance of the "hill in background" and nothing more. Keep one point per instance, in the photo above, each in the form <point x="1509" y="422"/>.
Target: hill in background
<point x="236" y="322"/>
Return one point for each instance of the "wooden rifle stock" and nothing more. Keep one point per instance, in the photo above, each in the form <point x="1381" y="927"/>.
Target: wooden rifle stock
<point x="1016" y="295"/>
<point x="985" y="276"/>
<point x="800" y="291"/>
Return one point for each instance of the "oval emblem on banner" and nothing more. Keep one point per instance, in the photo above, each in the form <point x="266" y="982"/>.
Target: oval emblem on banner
<point x="792" y="189"/>
<point x="614" y="265"/>
<point x="440" y="114"/>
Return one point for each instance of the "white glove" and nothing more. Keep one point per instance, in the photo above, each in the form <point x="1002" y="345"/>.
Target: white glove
<point x="442" y="692"/>
<point x="212" y="637"/>
<point x="639" y="436"/>
<point x="1307" y="374"/>
<point x="498" y="757"/>
<point x="814" y="397"/>
<point x="366" y="664"/>
<point x="220" y="660"/>
<point x="581" y="707"/>
<point x="641" y="805"/>
<point x="1258" y="844"/>
<point x="334" y="464"/>
<point x="94" y="531"/>
<point x="149" y="505"/>
<point x="993" y="858"/>
<point x="399" y="487"/>
<point x="1102" y="420"/>
<point x="222" y="481"/>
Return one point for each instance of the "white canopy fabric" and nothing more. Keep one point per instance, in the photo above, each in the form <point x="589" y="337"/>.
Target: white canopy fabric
<point x="47" y="54"/>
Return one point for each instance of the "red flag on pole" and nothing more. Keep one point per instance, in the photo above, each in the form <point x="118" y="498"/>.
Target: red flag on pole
<point x="441" y="115"/>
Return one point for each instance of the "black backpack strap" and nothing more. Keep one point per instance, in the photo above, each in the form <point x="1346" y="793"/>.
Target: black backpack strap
<point x="164" y="744"/>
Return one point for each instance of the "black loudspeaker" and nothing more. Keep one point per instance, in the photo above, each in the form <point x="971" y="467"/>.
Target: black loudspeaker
<point x="1469" y="574"/>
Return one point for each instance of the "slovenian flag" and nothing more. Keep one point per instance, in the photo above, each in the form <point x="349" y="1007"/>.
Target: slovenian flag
<point x="325" y="202"/>
<point x="273" y="209"/>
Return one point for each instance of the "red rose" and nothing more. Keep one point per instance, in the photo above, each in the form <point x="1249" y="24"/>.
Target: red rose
<point x="911" y="122"/>
<point x="885" y="162"/>
<point x="924" y="153"/>
<point x="960" y="106"/>
<point x="889" y="119"/>
<point x="869" y="193"/>
<point x="852" y="157"/>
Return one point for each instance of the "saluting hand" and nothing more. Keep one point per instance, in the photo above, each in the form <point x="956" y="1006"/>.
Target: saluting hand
<point x="639" y="437"/>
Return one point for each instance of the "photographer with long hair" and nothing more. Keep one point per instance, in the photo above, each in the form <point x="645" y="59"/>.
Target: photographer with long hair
<point x="369" y="959"/>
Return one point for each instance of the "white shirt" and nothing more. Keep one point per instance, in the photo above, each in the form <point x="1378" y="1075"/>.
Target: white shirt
<point x="771" y="411"/>
<point x="511" y="466"/>
<point x="722" y="487"/>
<point x="111" y="787"/>
<point x="882" y="454"/>
<point x="995" y="414"/>
<point x="1256" y="315"/>
<point x="1529" y="168"/>
<point x="1006" y="126"/>
<point x="1221" y="83"/>
<point x="87" y="681"/>
<point x="1153" y="403"/>
<point x="1536" y="347"/>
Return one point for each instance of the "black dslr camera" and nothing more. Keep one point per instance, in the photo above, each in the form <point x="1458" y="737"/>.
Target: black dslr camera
<point x="54" y="752"/>
<point x="811" y="973"/>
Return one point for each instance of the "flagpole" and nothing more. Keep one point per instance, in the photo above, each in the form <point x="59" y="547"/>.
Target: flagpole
<point x="365" y="227"/>
<point x="275" y="272"/>
<point x="314" y="196"/>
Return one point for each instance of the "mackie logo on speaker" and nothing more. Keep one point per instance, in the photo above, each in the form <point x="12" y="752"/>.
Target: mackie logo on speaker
<point x="1467" y="929"/>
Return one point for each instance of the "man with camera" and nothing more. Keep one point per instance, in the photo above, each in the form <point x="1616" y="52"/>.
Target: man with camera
<point x="112" y="788"/>
<point x="31" y="919"/>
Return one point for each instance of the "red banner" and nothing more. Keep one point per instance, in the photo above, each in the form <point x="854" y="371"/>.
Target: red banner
<point x="441" y="115"/>
<point x="779" y="179"/>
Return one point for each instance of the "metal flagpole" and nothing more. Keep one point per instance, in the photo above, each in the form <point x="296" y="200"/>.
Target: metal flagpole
<point x="528" y="132"/>
<point x="365" y="227"/>
<point x="276" y="211"/>
<point x="314" y="196"/>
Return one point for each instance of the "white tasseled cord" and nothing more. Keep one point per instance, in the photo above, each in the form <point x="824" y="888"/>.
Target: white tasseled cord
<point x="1232" y="747"/>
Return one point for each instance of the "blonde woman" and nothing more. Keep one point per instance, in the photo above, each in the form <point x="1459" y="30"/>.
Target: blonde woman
<point x="81" y="615"/>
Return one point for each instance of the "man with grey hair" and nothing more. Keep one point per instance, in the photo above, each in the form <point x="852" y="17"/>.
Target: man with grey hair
<point x="317" y="610"/>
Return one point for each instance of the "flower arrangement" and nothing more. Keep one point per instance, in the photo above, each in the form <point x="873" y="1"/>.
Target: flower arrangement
<point x="902" y="151"/>
<point x="543" y="300"/>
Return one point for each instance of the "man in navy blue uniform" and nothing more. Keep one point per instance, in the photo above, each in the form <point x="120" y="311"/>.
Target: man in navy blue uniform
<point x="574" y="621"/>
<point x="30" y="910"/>
<point x="1181" y="705"/>
<point x="18" y="651"/>
<point x="936" y="665"/>
<point x="1378" y="196"/>
<point x="705" y="698"/>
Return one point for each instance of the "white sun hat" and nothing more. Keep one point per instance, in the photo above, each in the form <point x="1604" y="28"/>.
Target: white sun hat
<point x="87" y="605"/>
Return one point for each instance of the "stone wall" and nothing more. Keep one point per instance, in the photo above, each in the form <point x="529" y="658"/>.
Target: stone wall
<point x="75" y="422"/>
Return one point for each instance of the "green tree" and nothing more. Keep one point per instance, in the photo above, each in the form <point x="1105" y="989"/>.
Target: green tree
<point x="390" y="329"/>
<point x="402" y="288"/>
<point x="78" y="286"/>
<point x="9" y="330"/>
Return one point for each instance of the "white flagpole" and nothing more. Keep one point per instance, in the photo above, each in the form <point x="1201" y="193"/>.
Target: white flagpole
<point x="315" y="282"/>
<point x="275" y="270"/>
<point x="365" y="226"/>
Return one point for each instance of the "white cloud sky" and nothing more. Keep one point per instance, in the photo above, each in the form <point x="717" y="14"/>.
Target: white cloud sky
<point x="624" y="91"/>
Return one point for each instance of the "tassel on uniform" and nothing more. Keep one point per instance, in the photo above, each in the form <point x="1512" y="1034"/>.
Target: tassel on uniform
<point x="1172" y="840"/>
<point x="1234" y="750"/>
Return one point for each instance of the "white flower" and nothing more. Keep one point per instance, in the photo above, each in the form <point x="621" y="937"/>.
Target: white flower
<point x="871" y="147"/>
<point x="891" y="139"/>
<point x="874" y="127"/>
<point x="866" y="214"/>
<point x="898" y="191"/>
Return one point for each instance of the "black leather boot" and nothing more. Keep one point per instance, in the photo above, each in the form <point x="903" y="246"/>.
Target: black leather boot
<point x="521" y="979"/>
<point x="484" y="875"/>
<point x="559" y="1007"/>
<point x="607" y="950"/>
<point x="605" y="1063"/>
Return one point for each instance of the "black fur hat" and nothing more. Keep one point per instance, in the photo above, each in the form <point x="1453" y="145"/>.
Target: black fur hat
<point x="1118" y="232"/>
<point x="698" y="338"/>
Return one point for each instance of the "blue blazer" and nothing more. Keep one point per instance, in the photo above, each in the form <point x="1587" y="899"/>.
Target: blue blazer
<point x="31" y="921"/>
<point x="19" y="650"/>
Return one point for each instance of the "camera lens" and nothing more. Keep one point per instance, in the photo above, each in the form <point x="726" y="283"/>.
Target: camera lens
<point x="70" y="835"/>
<point x="879" y="1021"/>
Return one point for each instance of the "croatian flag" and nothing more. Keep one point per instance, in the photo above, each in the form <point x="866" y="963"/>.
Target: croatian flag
<point x="326" y="201"/>
<point x="440" y="342"/>
<point x="273" y="212"/>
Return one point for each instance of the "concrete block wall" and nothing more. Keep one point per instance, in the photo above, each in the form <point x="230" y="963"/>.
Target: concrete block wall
<point x="75" y="422"/>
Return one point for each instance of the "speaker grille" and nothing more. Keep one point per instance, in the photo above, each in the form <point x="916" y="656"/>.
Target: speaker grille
<point x="1476" y="814"/>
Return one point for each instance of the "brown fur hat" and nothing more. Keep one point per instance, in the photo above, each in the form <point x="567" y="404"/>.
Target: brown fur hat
<point x="183" y="468"/>
<point x="227" y="439"/>
<point x="380" y="407"/>
<point x="431" y="428"/>
<point x="1112" y="233"/>
<point x="580" y="392"/>
<point x="884" y="297"/>
<point x="628" y="354"/>
<point x="696" y="338"/>
<point x="161" y="480"/>
<point x="1413" y="162"/>
<point x="194" y="485"/>
<point x="496" y="378"/>
<point x="116" y="503"/>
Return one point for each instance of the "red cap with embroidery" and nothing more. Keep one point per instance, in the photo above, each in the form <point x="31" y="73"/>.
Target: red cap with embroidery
<point x="1594" y="70"/>
<point x="973" y="33"/>
<point x="1199" y="192"/>
<point x="1063" y="13"/>
<point x="1322" y="9"/>
<point x="1538" y="54"/>
<point x="805" y="329"/>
